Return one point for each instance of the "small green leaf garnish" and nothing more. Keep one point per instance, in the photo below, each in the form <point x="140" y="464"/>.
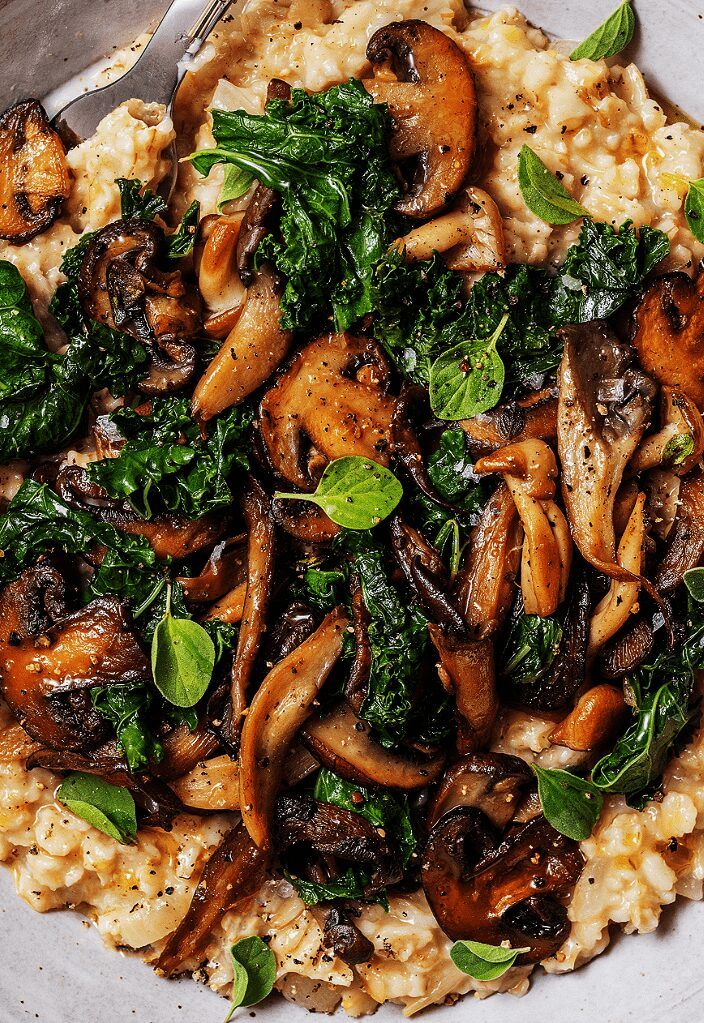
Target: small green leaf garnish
<point x="468" y="379"/>
<point x="484" y="962"/>
<point x="543" y="194"/>
<point x="694" y="209"/>
<point x="254" y="965"/>
<point x="106" y="807"/>
<point x="678" y="449"/>
<point x="571" y="804"/>
<point x="612" y="36"/>
<point x="694" y="581"/>
<point x="234" y="185"/>
<point x="183" y="658"/>
<point x="354" y="492"/>
<point x="450" y="533"/>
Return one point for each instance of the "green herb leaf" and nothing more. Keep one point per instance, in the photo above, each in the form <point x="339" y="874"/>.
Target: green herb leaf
<point x="181" y="243"/>
<point x="126" y="708"/>
<point x="354" y="492"/>
<point x="254" y="966"/>
<point x="543" y="194"/>
<point x="571" y="804"/>
<point x="612" y="36"/>
<point x="468" y="379"/>
<point x="678" y="449"/>
<point x="183" y="658"/>
<point x="107" y="807"/>
<point x="484" y="962"/>
<point x="235" y="183"/>
<point x="694" y="581"/>
<point x="350" y="885"/>
<point x="694" y="209"/>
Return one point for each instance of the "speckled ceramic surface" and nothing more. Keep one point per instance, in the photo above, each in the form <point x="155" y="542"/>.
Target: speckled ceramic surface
<point x="54" y="968"/>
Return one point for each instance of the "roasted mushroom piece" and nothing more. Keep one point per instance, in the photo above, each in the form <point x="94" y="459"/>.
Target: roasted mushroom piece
<point x="470" y="237"/>
<point x="684" y="548"/>
<point x="124" y="285"/>
<point x="494" y="783"/>
<point x="466" y="670"/>
<point x="434" y="108"/>
<point x="34" y="176"/>
<point x="595" y="721"/>
<point x="346" y="940"/>
<point x="533" y="417"/>
<point x="490" y="888"/>
<point x="679" y="443"/>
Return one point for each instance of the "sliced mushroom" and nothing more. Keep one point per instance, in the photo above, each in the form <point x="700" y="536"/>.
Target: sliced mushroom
<point x="487" y="580"/>
<point x="342" y="742"/>
<point x="485" y="888"/>
<point x="434" y="108"/>
<point x="321" y="399"/>
<point x="278" y="710"/>
<point x="669" y="333"/>
<point x="183" y="749"/>
<point x="679" y="443"/>
<point x="234" y="872"/>
<point x="225" y="568"/>
<point x="34" y="175"/>
<point x="470" y="237"/>
<point x="531" y="418"/>
<point x="663" y="500"/>
<point x="425" y="572"/>
<point x="123" y="285"/>
<point x="218" y="280"/>
<point x="255" y="227"/>
<point x="494" y="783"/>
<point x="529" y="470"/>
<point x="405" y="445"/>
<point x="604" y="408"/>
<point x="304" y="521"/>
<point x="357" y="682"/>
<point x="212" y="785"/>
<point x="466" y="670"/>
<point x="685" y="544"/>
<point x="346" y="941"/>
<point x="614" y="610"/>
<point x="627" y="651"/>
<point x="595" y="721"/>
<point x="255" y="347"/>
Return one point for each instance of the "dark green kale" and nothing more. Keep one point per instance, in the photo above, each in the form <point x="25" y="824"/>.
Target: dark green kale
<point x="127" y="708"/>
<point x="166" y="464"/>
<point x="530" y="649"/>
<point x="326" y="154"/>
<point x="139" y="202"/>
<point x="351" y="885"/>
<point x="322" y="588"/>
<point x="182" y="241"/>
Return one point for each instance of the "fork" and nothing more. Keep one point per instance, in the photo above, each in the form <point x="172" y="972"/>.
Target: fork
<point x="155" y="78"/>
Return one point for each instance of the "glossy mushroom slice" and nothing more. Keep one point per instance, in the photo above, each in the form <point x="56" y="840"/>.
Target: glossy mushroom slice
<point x="346" y="940"/>
<point x="618" y="605"/>
<point x="669" y="333"/>
<point x="434" y="108"/>
<point x="425" y="573"/>
<point x="218" y="280"/>
<point x="123" y="284"/>
<point x="321" y="399"/>
<point x="533" y="417"/>
<point x="684" y="548"/>
<point x="470" y="237"/>
<point x="34" y="175"/>
<point x="679" y="443"/>
<point x="493" y="888"/>
<point x="494" y="783"/>
<point x="466" y="670"/>
<point x="604" y="408"/>
<point x="594" y="722"/>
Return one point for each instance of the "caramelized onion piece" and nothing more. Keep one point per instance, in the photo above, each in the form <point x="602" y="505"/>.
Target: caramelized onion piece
<point x="34" y="176"/>
<point x="466" y="670"/>
<point x="234" y="872"/>
<point x="531" y="418"/>
<point x="614" y="610"/>
<point x="595" y="721"/>
<point x="278" y="710"/>
<point x="343" y="743"/>
<point x="685" y="544"/>
<point x="494" y="783"/>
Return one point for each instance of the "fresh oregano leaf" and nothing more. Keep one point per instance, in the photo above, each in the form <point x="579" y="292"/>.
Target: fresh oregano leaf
<point x="694" y="581"/>
<point x="254" y="966"/>
<point x="543" y="194"/>
<point x="694" y="209"/>
<point x="468" y="379"/>
<point x="678" y="449"/>
<point x="236" y="182"/>
<point x="484" y="962"/>
<point x="183" y="658"/>
<point x="571" y="804"/>
<point x="354" y="492"/>
<point x="612" y="36"/>
<point x="106" y="807"/>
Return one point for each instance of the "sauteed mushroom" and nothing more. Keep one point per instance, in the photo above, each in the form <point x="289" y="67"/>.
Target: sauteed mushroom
<point x="679" y="443"/>
<point x="531" y="418"/>
<point x="614" y="610"/>
<point x="346" y="940"/>
<point x="685" y="544"/>
<point x="594" y="722"/>
<point x="34" y="176"/>
<point x="494" y="783"/>
<point x="434" y="108"/>
<point x="466" y="670"/>
<point x="470" y="237"/>
<point x="218" y="280"/>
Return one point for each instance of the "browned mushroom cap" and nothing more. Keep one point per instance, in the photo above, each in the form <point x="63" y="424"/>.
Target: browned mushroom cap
<point x="122" y="285"/>
<point x="225" y="568"/>
<point x="278" y="710"/>
<point x="604" y="408"/>
<point x="533" y="417"/>
<point x="488" y="889"/>
<point x="434" y="108"/>
<point x="596" y="720"/>
<point x="494" y="783"/>
<point x="627" y="651"/>
<point x="669" y="333"/>
<point x="49" y="659"/>
<point x="34" y="177"/>
<point x="342" y="742"/>
<point x="255" y="227"/>
<point x="466" y="670"/>
<point x="319" y="398"/>
<point x="183" y="749"/>
<point x="685" y="544"/>
<point x="235" y="871"/>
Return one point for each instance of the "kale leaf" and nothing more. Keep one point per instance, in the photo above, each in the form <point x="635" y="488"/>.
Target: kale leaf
<point x="183" y="240"/>
<point x="139" y="202"/>
<point x="351" y="885"/>
<point x="126" y="708"/>
<point x="531" y="647"/>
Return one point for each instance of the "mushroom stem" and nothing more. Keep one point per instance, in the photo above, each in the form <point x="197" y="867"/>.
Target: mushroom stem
<point x="614" y="610"/>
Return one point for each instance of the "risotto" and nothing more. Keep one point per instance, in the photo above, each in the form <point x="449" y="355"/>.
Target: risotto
<point x="612" y="147"/>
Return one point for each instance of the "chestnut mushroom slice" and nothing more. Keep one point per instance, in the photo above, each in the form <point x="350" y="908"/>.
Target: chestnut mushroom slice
<point x="321" y="399"/>
<point x="605" y="404"/>
<point x="669" y="333"/>
<point x="49" y="660"/>
<point x="491" y="889"/>
<point x="405" y="445"/>
<point x="494" y="783"/>
<point x="34" y="175"/>
<point x="433" y="105"/>
<point x="183" y="749"/>
<point x="280" y="706"/>
<point x="470" y="237"/>
<point x="684" y="548"/>
<point x="679" y="443"/>
<point x="346" y="941"/>
<point x="595" y="721"/>
<point x="531" y="418"/>
<point x="235" y="871"/>
<point x="343" y="743"/>
<point x="466" y="670"/>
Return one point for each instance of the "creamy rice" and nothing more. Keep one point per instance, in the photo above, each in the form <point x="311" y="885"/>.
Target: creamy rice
<point x="596" y="125"/>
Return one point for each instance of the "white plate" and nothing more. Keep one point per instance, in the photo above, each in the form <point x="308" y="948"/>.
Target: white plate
<point x="55" y="969"/>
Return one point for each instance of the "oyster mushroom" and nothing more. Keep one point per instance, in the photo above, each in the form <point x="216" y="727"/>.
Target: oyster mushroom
<point x="494" y="783"/>
<point x="679" y="443"/>
<point x="684" y="547"/>
<point x="433" y="105"/>
<point x="615" y="609"/>
<point x="470" y="237"/>
<point x="595" y="721"/>
<point x="605" y="403"/>
<point x="34" y="175"/>
<point x="218" y="280"/>
<point x="425" y="573"/>
<point x="466" y="670"/>
<point x="533" y="417"/>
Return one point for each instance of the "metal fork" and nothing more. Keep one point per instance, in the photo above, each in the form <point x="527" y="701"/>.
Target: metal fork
<point x="155" y="78"/>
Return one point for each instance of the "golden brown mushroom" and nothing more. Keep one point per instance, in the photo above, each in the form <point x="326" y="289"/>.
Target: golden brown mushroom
<point x="494" y="783"/>
<point x="613" y="610"/>
<point x="685" y="543"/>
<point x="218" y="280"/>
<point x="427" y="82"/>
<point x="466" y="670"/>
<point x="34" y="176"/>
<point x="470" y="237"/>
<point x="595" y="721"/>
<point x="533" y="417"/>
